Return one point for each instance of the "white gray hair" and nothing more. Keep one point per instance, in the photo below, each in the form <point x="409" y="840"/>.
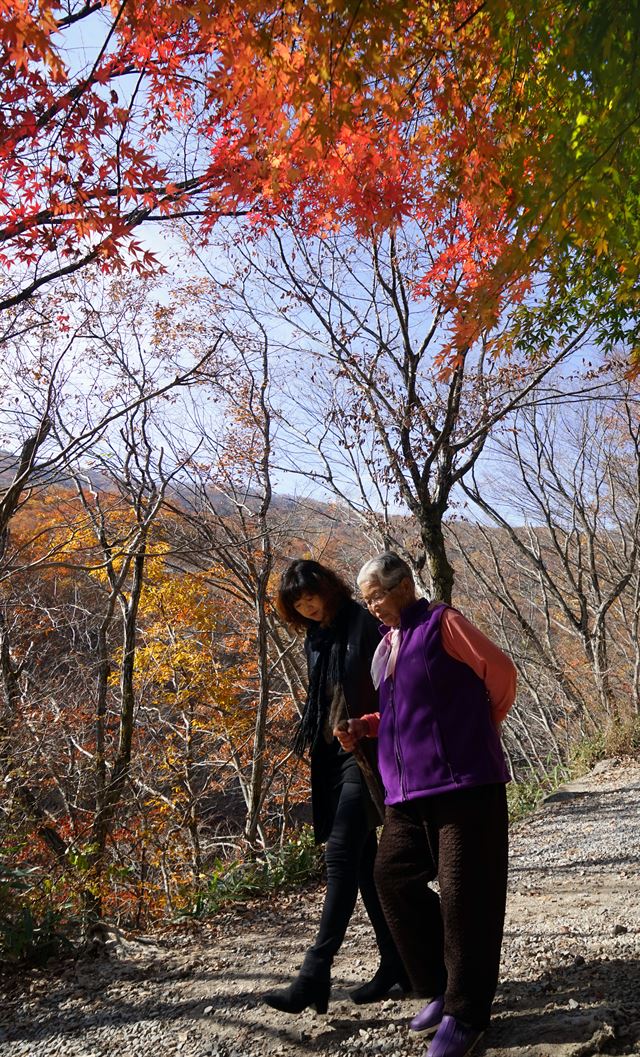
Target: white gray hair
<point x="387" y="569"/>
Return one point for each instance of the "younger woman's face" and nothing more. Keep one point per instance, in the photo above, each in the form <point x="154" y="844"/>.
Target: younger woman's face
<point x="311" y="607"/>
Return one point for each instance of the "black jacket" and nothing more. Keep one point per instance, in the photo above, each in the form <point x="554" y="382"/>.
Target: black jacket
<point x="331" y="766"/>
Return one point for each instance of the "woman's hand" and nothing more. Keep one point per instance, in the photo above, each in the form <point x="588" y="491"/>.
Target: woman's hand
<point x="349" y="732"/>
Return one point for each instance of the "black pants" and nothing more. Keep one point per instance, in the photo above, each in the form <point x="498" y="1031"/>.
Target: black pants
<point x="350" y="854"/>
<point x="449" y="944"/>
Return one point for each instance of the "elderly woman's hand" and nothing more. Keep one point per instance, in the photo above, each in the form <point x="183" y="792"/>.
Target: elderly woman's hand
<point x="349" y="732"/>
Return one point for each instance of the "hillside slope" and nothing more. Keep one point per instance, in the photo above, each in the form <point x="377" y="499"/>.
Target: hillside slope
<point x="570" y="984"/>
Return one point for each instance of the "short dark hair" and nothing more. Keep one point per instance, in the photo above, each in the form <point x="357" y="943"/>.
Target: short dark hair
<point x="303" y="577"/>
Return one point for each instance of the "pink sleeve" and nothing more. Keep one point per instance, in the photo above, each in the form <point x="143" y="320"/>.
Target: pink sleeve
<point x="372" y="719"/>
<point x="465" y="642"/>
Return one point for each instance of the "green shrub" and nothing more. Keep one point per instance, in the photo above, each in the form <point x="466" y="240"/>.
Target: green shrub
<point x="296" y="863"/>
<point x="585" y="755"/>
<point x="32" y="929"/>
<point x="524" y="795"/>
<point x="621" y="738"/>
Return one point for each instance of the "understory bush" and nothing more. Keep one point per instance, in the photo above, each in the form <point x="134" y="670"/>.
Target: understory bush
<point x="297" y="862"/>
<point x="33" y="926"/>
<point x="524" y="795"/>
<point x="621" y="738"/>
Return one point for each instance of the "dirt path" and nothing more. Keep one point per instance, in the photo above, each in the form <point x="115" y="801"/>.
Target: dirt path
<point x="570" y="984"/>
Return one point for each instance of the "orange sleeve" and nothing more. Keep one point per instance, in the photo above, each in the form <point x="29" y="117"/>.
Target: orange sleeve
<point x="372" y="719"/>
<point x="465" y="642"/>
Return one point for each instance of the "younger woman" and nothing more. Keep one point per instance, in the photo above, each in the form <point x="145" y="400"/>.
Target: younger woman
<point x="341" y="638"/>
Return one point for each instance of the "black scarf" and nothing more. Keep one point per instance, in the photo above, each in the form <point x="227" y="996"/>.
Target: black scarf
<point x="324" y="677"/>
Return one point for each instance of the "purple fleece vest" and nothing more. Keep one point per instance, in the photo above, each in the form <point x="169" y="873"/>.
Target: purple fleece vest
<point x="436" y="733"/>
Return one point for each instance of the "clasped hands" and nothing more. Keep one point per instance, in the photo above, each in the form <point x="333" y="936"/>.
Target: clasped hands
<point x="349" y="731"/>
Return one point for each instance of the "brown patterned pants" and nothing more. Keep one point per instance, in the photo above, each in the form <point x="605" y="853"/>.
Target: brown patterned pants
<point x="450" y="944"/>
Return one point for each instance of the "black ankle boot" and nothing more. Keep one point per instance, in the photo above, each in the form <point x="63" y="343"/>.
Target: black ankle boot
<point x="379" y="986"/>
<point x="304" y="991"/>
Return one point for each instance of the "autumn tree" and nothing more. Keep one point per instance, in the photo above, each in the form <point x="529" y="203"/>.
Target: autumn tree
<point x="508" y="131"/>
<point x="41" y="409"/>
<point x="72" y="807"/>
<point x="370" y="411"/>
<point x="559" y="562"/>
<point x="98" y="413"/>
<point x="569" y="89"/>
<point x="231" y="533"/>
<point x="188" y="680"/>
<point x="174" y="110"/>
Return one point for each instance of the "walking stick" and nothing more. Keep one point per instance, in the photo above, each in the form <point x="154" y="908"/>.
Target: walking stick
<point x="371" y="777"/>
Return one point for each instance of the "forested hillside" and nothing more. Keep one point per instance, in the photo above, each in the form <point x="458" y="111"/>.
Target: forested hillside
<point x="137" y="776"/>
<point x="281" y="280"/>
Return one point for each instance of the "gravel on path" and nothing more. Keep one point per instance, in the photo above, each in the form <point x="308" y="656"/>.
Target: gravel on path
<point x="570" y="980"/>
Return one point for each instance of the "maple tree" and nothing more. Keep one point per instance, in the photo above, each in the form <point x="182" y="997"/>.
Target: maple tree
<point x="178" y="109"/>
<point x="574" y="114"/>
<point x="508" y="130"/>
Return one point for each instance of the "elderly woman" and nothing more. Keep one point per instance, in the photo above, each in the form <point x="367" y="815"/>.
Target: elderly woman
<point x="444" y="690"/>
<point x="341" y="638"/>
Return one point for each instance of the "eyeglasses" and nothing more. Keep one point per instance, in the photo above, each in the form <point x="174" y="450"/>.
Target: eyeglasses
<point x="371" y="601"/>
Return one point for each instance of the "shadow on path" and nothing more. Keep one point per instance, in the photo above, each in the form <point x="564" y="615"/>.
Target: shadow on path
<point x="569" y="1005"/>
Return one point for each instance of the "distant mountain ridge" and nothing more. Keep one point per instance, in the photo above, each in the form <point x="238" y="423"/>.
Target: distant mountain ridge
<point x="221" y="503"/>
<point x="9" y="464"/>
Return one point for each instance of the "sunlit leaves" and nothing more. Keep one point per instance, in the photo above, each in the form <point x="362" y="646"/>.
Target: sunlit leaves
<point x="508" y="130"/>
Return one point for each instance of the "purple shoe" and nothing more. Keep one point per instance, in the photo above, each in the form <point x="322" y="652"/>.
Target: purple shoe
<point x="453" y="1039"/>
<point x="429" y="1017"/>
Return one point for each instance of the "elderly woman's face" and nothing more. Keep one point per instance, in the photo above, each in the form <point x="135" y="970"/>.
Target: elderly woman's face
<point x="386" y="604"/>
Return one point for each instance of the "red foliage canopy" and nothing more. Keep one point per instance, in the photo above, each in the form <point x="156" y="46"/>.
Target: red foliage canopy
<point x="204" y="109"/>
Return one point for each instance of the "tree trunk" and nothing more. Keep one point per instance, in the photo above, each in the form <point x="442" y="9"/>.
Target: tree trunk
<point x="262" y="415"/>
<point x="256" y="790"/>
<point x="103" y="819"/>
<point x="440" y="570"/>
